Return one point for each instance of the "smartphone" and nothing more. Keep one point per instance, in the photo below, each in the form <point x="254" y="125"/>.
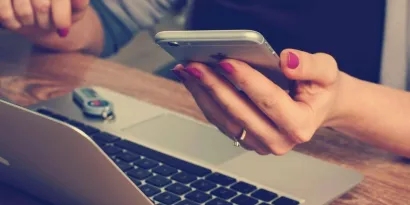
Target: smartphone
<point x="211" y="46"/>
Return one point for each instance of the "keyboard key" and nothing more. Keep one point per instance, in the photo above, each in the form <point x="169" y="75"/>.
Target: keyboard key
<point x="244" y="200"/>
<point x="59" y="117"/>
<point x="263" y="203"/>
<point x="111" y="150"/>
<point x="198" y="196"/>
<point x="100" y="143"/>
<point x="178" y="189"/>
<point x="221" y="179"/>
<point x="264" y="195"/>
<point x="166" y="159"/>
<point x="106" y="137"/>
<point x="45" y="112"/>
<point x="285" y="201"/>
<point x="186" y="202"/>
<point x="85" y="128"/>
<point x="123" y="165"/>
<point x="88" y="129"/>
<point x="223" y="193"/>
<point x="158" y="181"/>
<point x="146" y="163"/>
<point x="203" y="185"/>
<point x="243" y="187"/>
<point x="167" y="198"/>
<point x="128" y="157"/>
<point x="139" y="174"/>
<point x="149" y="190"/>
<point x="156" y="202"/>
<point x="217" y="201"/>
<point x="165" y="170"/>
<point x="136" y="181"/>
<point x="184" y="178"/>
<point x="51" y="114"/>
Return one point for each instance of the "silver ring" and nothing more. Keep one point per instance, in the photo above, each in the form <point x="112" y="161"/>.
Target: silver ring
<point x="236" y="142"/>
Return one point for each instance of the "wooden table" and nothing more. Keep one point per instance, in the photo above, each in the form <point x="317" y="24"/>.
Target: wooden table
<point x="43" y="76"/>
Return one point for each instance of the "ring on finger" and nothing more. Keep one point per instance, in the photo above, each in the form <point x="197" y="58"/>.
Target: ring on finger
<point x="241" y="138"/>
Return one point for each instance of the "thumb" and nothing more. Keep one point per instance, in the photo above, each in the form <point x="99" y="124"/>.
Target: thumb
<point x="79" y="5"/>
<point x="319" y="68"/>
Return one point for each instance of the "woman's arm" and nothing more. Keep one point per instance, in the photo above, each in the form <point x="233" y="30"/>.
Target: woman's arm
<point x="108" y="26"/>
<point x="376" y="114"/>
<point x="275" y="121"/>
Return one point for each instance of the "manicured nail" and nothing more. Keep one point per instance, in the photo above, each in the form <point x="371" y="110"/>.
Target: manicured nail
<point x="293" y="60"/>
<point x="227" y="67"/>
<point x="178" y="74"/>
<point x="63" y="32"/>
<point x="194" y="72"/>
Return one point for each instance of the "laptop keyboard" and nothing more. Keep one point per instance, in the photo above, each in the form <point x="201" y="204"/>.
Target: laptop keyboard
<point x="167" y="180"/>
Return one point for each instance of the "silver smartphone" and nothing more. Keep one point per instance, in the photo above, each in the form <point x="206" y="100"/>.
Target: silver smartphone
<point x="211" y="46"/>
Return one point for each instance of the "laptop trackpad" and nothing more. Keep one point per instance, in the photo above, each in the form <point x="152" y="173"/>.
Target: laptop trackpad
<point x="186" y="138"/>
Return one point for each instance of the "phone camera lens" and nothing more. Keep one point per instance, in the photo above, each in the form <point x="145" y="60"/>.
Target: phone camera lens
<point x="173" y="44"/>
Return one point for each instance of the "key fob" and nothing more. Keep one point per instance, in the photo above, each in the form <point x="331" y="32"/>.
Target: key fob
<point x="93" y="104"/>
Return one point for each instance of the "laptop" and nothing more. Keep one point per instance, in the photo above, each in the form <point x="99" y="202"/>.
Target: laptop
<point x="150" y="155"/>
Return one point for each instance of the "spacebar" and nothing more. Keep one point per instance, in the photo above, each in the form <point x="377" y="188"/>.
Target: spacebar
<point x="161" y="157"/>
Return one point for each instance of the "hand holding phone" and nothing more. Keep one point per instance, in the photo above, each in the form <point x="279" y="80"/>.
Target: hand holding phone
<point x="212" y="46"/>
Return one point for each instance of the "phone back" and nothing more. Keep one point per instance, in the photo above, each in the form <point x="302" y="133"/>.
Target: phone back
<point x="212" y="46"/>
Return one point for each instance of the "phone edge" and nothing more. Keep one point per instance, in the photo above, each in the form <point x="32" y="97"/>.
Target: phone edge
<point x="209" y="35"/>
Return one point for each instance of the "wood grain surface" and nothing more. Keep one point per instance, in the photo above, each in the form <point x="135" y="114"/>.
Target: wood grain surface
<point x="42" y="76"/>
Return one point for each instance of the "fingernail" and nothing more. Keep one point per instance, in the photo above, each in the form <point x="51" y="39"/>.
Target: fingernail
<point x="63" y="32"/>
<point x="178" y="74"/>
<point x="194" y="72"/>
<point x="227" y="67"/>
<point x="293" y="60"/>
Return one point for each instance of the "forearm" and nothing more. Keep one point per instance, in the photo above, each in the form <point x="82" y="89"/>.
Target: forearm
<point x="86" y="35"/>
<point x="375" y="114"/>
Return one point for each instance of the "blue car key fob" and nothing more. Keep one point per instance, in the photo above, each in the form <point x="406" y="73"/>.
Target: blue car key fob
<point x="93" y="104"/>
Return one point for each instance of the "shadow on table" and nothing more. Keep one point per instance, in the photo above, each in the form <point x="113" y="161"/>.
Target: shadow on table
<point x="165" y="71"/>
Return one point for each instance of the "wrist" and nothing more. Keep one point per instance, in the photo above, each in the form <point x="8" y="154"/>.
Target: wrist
<point x="344" y="105"/>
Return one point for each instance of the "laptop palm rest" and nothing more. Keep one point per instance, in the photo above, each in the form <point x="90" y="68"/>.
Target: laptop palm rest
<point x="205" y="145"/>
<point x="186" y="138"/>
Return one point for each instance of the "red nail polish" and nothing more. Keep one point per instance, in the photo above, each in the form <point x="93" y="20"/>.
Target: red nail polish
<point x="227" y="67"/>
<point x="293" y="60"/>
<point x="194" y="72"/>
<point x="178" y="74"/>
<point x="63" y="32"/>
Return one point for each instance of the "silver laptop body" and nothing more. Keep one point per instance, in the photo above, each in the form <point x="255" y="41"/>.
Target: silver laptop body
<point x="52" y="157"/>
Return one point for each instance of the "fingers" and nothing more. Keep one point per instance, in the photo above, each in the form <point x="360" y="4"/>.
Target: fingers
<point x="214" y="113"/>
<point x="24" y="12"/>
<point x="7" y="16"/>
<point x="240" y="109"/>
<point x="272" y="100"/>
<point x="79" y="5"/>
<point x="42" y="14"/>
<point x="319" y="68"/>
<point x="61" y="13"/>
